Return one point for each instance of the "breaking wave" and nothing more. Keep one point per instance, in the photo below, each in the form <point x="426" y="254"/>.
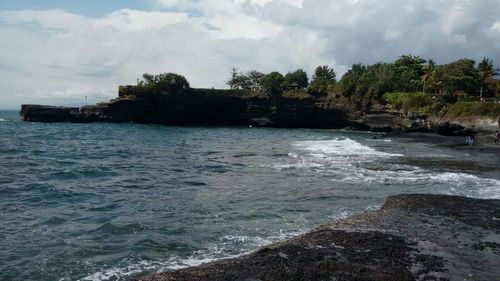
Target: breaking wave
<point x="347" y="161"/>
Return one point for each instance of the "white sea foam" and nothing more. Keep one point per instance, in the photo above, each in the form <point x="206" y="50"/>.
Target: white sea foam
<point x="350" y="162"/>
<point x="341" y="147"/>
<point x="2" y="120"/>
<point x="343" y="213"/>
<point x="324" y="154"/>
<point x="223" y="249"/>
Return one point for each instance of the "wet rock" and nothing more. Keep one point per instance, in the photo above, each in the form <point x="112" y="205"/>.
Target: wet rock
<point x="412" y="237"/>
<point x="450" y="129"/>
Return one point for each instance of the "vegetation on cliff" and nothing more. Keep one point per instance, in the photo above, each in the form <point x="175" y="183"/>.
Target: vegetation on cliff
<point x="467" y="109"/>
<point x="409" y="84"/>
<point x="420" y="103"/>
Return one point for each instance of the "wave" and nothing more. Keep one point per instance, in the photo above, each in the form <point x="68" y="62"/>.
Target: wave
<point x="349" y="162"/>
<point x="341" y="147"/>
<point x="226" y="247"/>
<point x="3" y="120"/>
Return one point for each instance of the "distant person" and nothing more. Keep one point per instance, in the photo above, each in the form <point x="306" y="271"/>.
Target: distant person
<point x="470" y="140"/>
<point x="496" y="137"/>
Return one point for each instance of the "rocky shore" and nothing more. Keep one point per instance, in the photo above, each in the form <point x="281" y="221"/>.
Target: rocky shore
<point x="412" y="237"/>
<point x="220" y="107"/>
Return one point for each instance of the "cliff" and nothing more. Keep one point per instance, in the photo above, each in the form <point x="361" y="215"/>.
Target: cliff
<point x="212" y="107"/>
<point x="412" y="237"/>
<point x="198" y="107"/>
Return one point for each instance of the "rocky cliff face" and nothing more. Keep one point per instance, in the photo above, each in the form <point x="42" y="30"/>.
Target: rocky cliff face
<point x="412" y="237"/>
<point x="209" y="107"/>
<point x="198" y="110"/>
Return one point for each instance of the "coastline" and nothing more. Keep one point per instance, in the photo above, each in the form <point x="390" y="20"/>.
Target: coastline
<point x="484" y="141"/>
<point x="450" y="238"/>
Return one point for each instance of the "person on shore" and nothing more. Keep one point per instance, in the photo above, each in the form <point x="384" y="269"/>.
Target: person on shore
<point x="496" y="137"/>
<point x="470" y="140"/>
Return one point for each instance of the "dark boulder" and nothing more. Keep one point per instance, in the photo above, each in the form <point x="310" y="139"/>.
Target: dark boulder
<point x="450" y="129"/>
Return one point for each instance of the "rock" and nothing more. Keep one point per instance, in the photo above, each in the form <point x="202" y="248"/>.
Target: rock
<point x="199" y="107"/>
<point x="450" y="129"/>
<point x="412" y="237"/>
<point x="45" y="113"/>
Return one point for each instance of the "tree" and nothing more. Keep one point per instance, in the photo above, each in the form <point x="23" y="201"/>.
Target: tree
<point x="409" y="70"/>
<point x="459" y="76"/>
<point x="296" y="79"/>
<point x="428" y="72"/>
<point x="165" y="82"/>
<point x="485" y="70"/>
<point x="272" y="83"/>
<point x="323" y="78"/>
<point x="249" y="81"/>
<point x="350" y="80"/>
<point x="233" y="81"/>
<point x="254" y="80"/>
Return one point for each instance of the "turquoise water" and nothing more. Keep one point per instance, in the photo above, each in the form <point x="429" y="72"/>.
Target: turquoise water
<point x="113" y="201"/>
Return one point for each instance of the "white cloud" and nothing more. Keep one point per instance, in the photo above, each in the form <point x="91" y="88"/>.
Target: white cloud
<point x="52" y="56"/>
<point x="496" y="26"/>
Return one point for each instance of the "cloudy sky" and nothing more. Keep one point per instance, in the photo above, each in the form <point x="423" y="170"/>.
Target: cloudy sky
<point x="59" y="51"/>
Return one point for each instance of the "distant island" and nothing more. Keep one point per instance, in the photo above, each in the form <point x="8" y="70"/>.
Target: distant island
<point x="410" y="94"/>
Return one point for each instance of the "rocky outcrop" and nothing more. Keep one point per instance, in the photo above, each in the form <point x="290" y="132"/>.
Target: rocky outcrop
<point x="450" y="129"/>
<point x="45" y="113"/>
<point x="412" y="237"/>
<point x="198" y="109"/>
<point x="212" y="107"/>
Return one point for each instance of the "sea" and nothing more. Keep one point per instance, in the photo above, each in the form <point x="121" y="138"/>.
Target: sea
<point x="103" y="201"/>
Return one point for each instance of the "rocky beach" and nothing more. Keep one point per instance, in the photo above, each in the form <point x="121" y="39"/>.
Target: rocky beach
<point x="412" y="237"/>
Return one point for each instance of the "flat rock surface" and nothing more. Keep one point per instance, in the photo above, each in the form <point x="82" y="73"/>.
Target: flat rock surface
<point x="412" y="237"/>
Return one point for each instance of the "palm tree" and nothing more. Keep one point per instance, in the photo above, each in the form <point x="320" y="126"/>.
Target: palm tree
<point x="429" y="71"/>
<point x="486" y="70"/>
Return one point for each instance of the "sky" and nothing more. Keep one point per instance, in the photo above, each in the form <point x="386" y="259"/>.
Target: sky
<point x="60" y="51"/>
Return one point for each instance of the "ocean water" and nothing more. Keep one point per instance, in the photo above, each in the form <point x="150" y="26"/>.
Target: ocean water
<point x="116" y="201"/>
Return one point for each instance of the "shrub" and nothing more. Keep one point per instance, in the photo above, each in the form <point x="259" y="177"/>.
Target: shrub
<point x="297" y="94"/>
<point x="420" y="103"/>
<point x="469" y="109"/>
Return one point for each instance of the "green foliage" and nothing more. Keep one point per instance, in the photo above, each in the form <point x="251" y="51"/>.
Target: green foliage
<point x="470" y="109"/>
<point x="297" y="79"/>
<point x="233" y="82"/>
<point x="459" y="76"/>
<point x="350" y="82"/>
<point x="421" y="103"/>
<point x="485" y="71"/>
<point x="409" y="70"/>
<point x="323" y="79"/>
<point x="254" y="80"/>
<point x="227" y="93"/>
<point x="250" y="81"/>
<point x="366" y="84"/>
<point x="170" y="83"/>
<point x="272" y="83"/>
<point x="363" y="84"/>
<point x="297" y="94"/>
<point x="157" y="88"/>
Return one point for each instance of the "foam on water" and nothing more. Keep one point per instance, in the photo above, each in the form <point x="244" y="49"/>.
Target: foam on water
<point x="343" y="213"/>
<point x="223" y="249"/>
<point x="110" y="201"/>
<point x="3" y="120"/>
<point x="347" y="161"/>
<point x="345" y="147"/>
